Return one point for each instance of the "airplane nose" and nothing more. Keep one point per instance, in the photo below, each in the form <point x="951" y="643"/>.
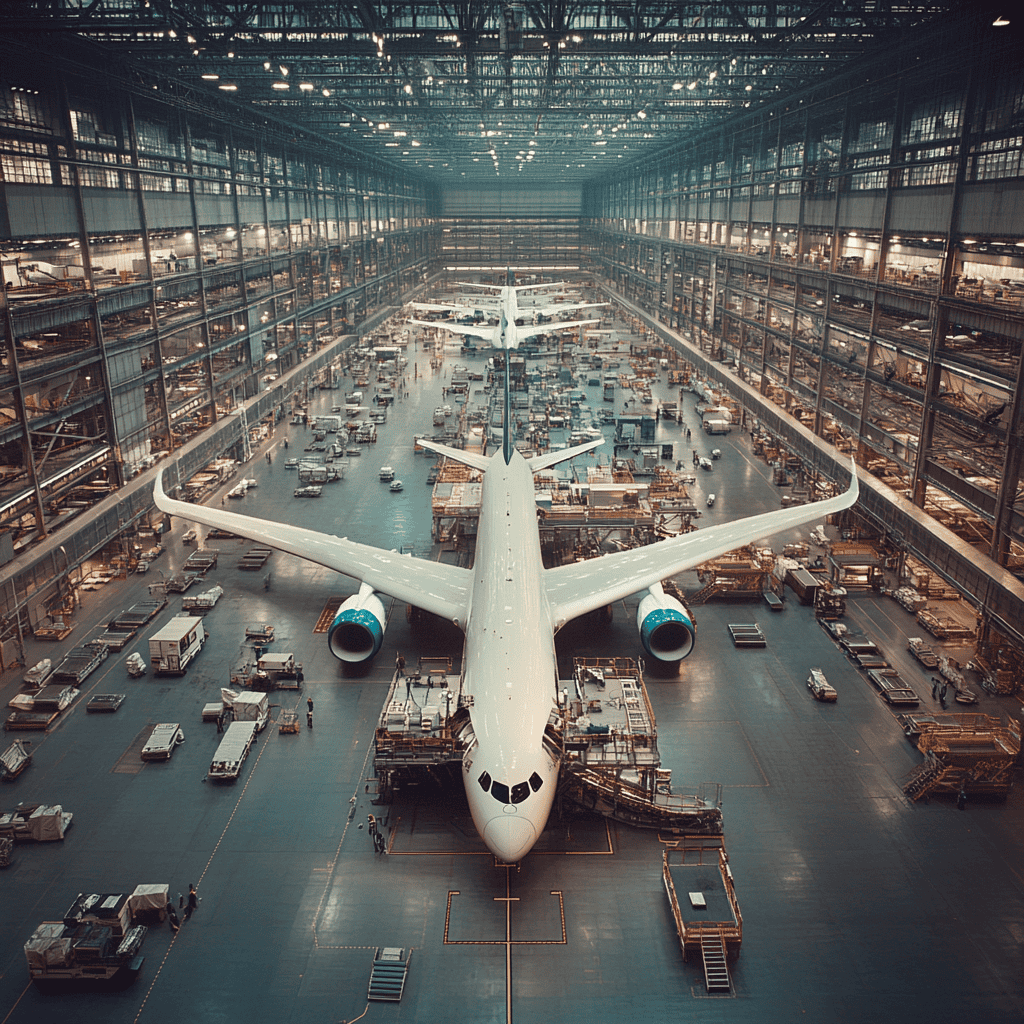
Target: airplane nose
<point x="509" y="837"/>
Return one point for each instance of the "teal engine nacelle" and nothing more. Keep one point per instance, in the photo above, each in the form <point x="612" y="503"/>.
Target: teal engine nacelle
<point x="358" y="629"/>
<point x="666" y="626"/>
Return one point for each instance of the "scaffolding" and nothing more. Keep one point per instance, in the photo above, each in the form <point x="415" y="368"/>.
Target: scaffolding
<point x="965" y="754"/>
<point x="740" y="575"/>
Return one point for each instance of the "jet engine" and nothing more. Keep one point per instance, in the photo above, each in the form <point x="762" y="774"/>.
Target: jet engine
<point x="358" y="629"/>
<point x="666" y="625"/>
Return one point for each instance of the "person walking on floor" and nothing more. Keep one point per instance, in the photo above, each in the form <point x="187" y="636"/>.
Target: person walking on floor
<point x="309" y="719"/>
<point x="172" y="919"/>
<point x="193" y="901"/>
<point x="309" y="704"/>
<point x="399" y="666"/>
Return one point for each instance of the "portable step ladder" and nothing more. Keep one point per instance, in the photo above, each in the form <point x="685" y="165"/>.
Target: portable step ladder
<point x="716" y="970"/>
<point x="387" y="978"/>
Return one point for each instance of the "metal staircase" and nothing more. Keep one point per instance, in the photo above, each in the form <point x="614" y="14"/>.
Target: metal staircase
<point x="928" y="775"/>
<point x="387" y="978"/>
<point x="716" y="970"/>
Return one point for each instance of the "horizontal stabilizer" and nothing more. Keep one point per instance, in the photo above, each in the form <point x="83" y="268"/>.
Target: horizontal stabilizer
<point x="472" y="459"/>
<point x="539" y="462"/>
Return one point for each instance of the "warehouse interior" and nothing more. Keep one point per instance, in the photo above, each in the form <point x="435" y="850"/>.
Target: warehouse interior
<point x="208" y="210"/>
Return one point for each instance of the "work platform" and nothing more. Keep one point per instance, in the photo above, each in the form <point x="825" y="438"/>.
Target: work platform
<point x="603" y="728"/>
<point x="702" y="897"/>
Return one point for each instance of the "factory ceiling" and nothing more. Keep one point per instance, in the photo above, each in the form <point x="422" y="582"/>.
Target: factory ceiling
<point x="533" y="93"/>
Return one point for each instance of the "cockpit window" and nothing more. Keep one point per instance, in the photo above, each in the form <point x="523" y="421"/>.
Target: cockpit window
<point x="520" y="791"/>
<point x="536" y="782"/>
<point x="485" y="782"/>
<point x="500" y="792"/>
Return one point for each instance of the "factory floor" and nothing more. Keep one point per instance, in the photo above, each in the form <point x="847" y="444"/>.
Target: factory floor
<point x="857" y="904"/>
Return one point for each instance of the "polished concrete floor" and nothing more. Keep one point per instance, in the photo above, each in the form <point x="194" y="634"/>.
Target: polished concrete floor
<point x="857" y="904"/>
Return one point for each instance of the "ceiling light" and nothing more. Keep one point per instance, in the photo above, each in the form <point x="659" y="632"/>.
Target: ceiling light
<point x="1000" y="22"/>
<point x="407" y="88"/>
<point x="266" y="65"/>
<point x="279" y="85"/>
<point x="228" y="88"/>
<point x="326" y="92"/>
<point x="305" y="86"/>
<point x="209" y="77"/>
<point x="284" y="70"/>
<point x="641" y="114"/>
<point x="676" y="86"/>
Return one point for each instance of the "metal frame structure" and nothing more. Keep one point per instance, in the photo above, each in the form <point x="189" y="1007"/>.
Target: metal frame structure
<point x="538" y="91"/>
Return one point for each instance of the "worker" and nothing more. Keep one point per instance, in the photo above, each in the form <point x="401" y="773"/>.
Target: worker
<point x="399" y="666"/>
<point x="286" y="442"/>
<point x="193" y="901"/>
<point x="309" y="719"/>
<point x="309" y="703"/>
<point x="172" y="919"/>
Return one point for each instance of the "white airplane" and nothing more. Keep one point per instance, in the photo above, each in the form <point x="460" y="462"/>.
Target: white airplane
<point x="509" y="607"/>
<point x="507" y="334"/>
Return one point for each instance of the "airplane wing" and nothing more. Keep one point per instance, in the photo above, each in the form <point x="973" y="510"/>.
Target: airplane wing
<point x="469" y="330"/>
<point x="529" y="332"/>
<point x="440" y="307"/>
<point x="551" y="310"/>
<point x="581" y="587"/>
<point x="549" y="284"/>
<point x="432" y="586"/>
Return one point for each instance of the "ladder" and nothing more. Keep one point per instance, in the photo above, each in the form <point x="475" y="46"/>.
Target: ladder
<point x="709" y="588"/>
<point x="716" y="971"/>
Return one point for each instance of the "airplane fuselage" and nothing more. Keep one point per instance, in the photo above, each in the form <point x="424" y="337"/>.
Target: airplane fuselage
<point x="509" y="668"/>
